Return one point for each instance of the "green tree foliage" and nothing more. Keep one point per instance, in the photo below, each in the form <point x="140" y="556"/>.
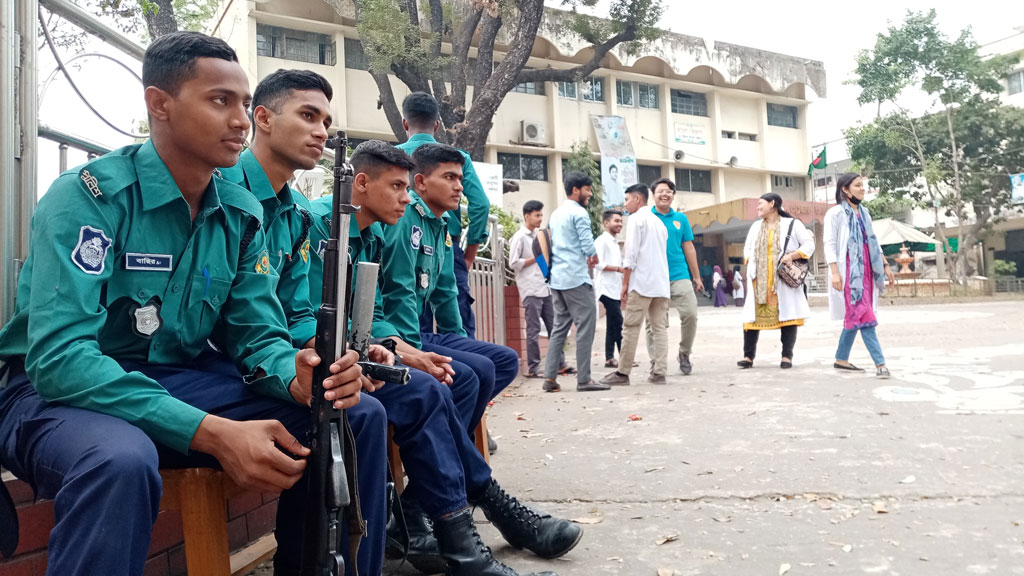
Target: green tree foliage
<point x="956" y="159"/>
<point x="1004" y="268"/>
<point x="406" y="39"/>
<point x="582" y="160"/>
<point x="147" y="19"/>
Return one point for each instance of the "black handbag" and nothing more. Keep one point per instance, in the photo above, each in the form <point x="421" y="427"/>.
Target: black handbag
<point x="794" y="273"/>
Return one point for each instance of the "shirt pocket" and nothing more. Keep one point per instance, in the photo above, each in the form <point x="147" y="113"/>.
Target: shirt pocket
<point x="205" y="300"/>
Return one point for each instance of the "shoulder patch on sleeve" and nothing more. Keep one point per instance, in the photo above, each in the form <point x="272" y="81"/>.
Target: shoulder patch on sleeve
<point x="263" y="263"/>
<point x="107" y="175"/>
<point x="90" y="254"/>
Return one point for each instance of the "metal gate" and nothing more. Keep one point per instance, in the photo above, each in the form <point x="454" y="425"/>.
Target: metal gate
<point x="487" y="287"/>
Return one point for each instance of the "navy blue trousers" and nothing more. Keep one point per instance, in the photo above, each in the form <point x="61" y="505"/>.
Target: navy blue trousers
<point x="103" y="473"/>
<point x="465" y="300"/>
<point x="495" y="366"/>
<point x="437" y="453"/>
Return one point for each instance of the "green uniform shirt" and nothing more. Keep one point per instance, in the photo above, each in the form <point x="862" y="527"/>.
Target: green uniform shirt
<point x="364" y="246"/>
<point x="286" y="222"/>
<point x="479" y="207"/>
<point x="417" y="268"/>
<point x="118" y="270"/>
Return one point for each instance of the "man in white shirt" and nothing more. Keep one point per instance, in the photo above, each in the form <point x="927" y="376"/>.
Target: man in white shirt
<point x="533" y="289"/>
<point x="608" y="281"/>
<point x="645" y="287"/>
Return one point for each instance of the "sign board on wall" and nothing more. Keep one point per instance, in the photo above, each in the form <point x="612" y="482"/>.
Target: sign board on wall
<point x="690" y="133"/>
<point x="618" y="161"/>
<point x="1017" y="188"/>
<point x="491" y="176"/>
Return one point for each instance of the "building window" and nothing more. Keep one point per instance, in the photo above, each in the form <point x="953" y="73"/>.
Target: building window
<point x="822" y="182"/>
<point x="648" y="174"/>
<point x="748" y="137"/>
<point x="536" y="88"/>
<point x="693" y="180"/>
<point x="297" y="45"/>
<point x="647" y="95"/>
<point x="783" y="116"/>
<point x="728" y="135"/>
<point x="690" y="103"/>
<point x="593" y="89"/>
<point x="1015" y="82"/>
<point x="523" y="166"/>
<point x="567" y="90"/>
<point x="624" y="93"/>
<point x="783" y="183"/>
<point x="355" y="57"/>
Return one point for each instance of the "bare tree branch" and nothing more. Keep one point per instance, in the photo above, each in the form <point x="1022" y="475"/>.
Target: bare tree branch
<point x="485" y="53"/>
<point x="583" y="70"/>
<point x="437" y="73"/>
<point x="387" y="102"/>
<point x="460" y="50"/>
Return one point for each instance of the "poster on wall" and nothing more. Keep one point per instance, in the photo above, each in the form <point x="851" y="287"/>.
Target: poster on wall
<point x="491" y="177"/>
<point x="1017" y="188"/>
<point x="618" y="161"/>
<point x="689" y="133"/>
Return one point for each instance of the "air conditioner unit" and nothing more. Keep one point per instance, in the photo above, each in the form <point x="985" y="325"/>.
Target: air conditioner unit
<point x="532" y="132"/>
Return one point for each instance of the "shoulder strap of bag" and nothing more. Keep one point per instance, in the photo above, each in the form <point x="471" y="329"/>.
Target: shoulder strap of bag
<point x="786" y="242"/>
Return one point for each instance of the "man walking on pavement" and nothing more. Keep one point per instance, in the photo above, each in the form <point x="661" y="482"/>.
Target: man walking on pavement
<point x="421" y="121"/>
<point x="608" y="282"/>
<point x="682" y="266"/>
<point x="572" y="253"/>
<point x="645" y="287"/>
<point x="533" y="288"/>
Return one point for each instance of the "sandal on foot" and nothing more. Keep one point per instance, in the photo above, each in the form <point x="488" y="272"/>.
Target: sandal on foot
<point x="786" y="364"/>
<point x="533" y="375"/>
<point x="849" y="367"/>
<point x="612" y="363"/>
<point x="745" y="364"/>
<point x="566" y="370"/>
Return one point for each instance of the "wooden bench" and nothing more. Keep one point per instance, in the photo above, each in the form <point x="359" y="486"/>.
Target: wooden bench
<point x="395" y="459"/>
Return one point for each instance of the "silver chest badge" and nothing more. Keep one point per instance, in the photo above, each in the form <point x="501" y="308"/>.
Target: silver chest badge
<point x="147" y="319"/>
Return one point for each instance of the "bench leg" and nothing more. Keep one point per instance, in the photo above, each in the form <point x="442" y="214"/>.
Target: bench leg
<point x="203" y="520"/>
<point x="481" y="438"/>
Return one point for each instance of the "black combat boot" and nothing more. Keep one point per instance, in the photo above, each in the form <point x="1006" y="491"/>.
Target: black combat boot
<point x="464" y="551"/>
<point x="423" y="552"/>
<point x="521" y="527"/>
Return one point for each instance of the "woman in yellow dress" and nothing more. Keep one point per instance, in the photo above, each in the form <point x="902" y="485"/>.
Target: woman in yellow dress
<point x="770" y="304"/>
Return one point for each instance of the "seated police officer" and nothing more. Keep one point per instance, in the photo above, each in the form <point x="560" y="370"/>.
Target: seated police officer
<point x="446" y="472"/>
<point x="290" y="118"/>
<point x="137" y="259"/>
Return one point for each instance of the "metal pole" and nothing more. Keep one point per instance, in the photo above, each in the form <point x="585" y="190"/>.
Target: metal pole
<point x="10" y="50"/>
<point x="28" y="108"/>
<point x="93" y="25"/>
<point x="63" y="157"/>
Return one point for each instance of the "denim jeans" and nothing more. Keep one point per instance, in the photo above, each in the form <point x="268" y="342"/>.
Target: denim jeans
<point x="870" y="340"/>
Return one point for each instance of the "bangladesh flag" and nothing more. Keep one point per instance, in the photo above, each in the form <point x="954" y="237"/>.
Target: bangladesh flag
<point x="818" y="163"/>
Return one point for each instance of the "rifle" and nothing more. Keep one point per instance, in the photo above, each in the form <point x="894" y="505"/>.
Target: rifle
<point x="332" y="472"/>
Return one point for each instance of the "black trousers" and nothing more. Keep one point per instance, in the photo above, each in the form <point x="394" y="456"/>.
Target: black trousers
<point x="613" y="326"/>
<point x="788" y="341"/>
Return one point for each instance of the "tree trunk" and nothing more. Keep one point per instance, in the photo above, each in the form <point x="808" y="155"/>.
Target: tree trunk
<point x="387" y="102"/>
<point x="160" y="20"/>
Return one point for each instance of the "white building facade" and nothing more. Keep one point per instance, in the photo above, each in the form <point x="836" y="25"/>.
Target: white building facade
<point x="737" y="114"/>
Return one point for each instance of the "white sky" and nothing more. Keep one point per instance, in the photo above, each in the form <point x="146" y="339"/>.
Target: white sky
<point x="819" y="30"/>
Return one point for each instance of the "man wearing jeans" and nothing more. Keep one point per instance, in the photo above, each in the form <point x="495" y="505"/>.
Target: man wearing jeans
<point x="572" y="253"/>
<point x="682" y="265"/>
<point x="645" y="288"/>
<point x="533" y="288"/>
<point x="609" y="283"/>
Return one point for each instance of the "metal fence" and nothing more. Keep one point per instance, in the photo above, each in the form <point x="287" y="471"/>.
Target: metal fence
<point x="487" y="286"/>
<point x="1008" y="284"/>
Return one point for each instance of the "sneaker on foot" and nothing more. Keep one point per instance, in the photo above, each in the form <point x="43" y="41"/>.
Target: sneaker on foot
<point x="684" y="364"/>
<point x="551" y="386"/>
<point x="592" y="386"/>
<point x="616" y="378"/>
<point x="656" y="378"/>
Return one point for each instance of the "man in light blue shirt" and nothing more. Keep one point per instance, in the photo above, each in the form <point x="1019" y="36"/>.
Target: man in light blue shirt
<point x="572" y="254"/>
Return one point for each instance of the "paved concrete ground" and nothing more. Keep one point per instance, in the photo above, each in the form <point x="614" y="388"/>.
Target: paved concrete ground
<point x="805" y="471"/>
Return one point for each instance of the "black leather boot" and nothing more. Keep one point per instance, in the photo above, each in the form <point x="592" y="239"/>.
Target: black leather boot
<point x="423" y="552"/>
<point x="464" y="551"/>
<point x="521" y="527"/>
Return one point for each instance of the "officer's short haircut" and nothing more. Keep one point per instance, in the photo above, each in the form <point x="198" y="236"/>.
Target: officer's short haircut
<point x="273" y="90"/>
<point x="607" y="215"/>
<point x="373" y="157"/>
<point x="170" y="60"/>
<point x="640" y="189"/>
<point x="420" y="110"/>
<point x="532" y="206"/>
<point x="666" y="181"/>
<point x="429" y="156"/>
<point x="576" y="180"/>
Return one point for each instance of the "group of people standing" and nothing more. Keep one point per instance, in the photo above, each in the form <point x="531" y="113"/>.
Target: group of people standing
<point x="657" y="269"/>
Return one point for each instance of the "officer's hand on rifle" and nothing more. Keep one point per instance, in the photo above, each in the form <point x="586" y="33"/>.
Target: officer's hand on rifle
<point x="342" y="387"/>
<point x="251" y="452"/>
<point x="440" y="367"/>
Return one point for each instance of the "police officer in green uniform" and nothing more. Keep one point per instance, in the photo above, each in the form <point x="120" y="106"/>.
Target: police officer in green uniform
<point x="137" y="259"/>
<point x="446" y="472"/>
<point x="290" y="118"/>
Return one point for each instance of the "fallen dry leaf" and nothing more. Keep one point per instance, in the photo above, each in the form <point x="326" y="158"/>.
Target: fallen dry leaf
<point x="634" y="417"/>
<point x="908" y="480"/>
<point x="723" y="519"/>
<point x="666" y="572"/>
<point x="879" y="507"/>
<point x="588" y="520"/>
<point x="655" y="469"/>
<point x="784" y="568"/>
<point x="667" y="539"/>
<point x="847" y="548"/>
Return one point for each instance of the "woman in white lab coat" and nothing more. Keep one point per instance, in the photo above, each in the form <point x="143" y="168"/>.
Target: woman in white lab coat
<point x="857" y="272"/>
<point x="770" y="304"/>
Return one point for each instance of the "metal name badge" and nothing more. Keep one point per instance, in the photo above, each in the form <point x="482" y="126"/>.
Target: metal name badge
<point x="147" y="320"/>
<point x="424" y="279"/>
<point x="91" y="183"/>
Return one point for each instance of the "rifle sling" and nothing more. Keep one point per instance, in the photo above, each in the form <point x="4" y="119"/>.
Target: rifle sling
<point x="356" y="524"/>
